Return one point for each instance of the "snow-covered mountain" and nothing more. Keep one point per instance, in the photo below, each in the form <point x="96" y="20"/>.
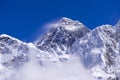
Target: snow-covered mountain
<point x="61" y="36"/>
<point x="97" y="49"/>
<point x="13" y="51"/>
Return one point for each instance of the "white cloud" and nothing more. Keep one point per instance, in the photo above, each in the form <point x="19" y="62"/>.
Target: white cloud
<point x="72" y="70"/>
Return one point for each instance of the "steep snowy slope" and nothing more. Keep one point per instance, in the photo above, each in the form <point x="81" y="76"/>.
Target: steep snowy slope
<point x="13" y="54"/>
<point x="61" y="36"/>
<point x="98" y="50"/>
<point x="12" y="51"/>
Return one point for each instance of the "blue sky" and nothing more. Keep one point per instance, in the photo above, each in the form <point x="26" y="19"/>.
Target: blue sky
<point x="25" y="19"/>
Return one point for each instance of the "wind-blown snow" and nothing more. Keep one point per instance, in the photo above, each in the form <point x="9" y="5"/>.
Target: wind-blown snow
<point x="72" y="70"/>
<point x="69" y="24"/>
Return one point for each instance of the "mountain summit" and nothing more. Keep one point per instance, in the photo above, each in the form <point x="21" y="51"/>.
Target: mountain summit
<point x="61" y="36"/>
<point x="69" y="24"/>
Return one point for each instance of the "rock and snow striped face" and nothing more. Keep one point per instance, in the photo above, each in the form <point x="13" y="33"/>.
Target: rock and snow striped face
<point x="98" y="50"/>
<point x="61" y="36"/>
<point x="69" y="24"/>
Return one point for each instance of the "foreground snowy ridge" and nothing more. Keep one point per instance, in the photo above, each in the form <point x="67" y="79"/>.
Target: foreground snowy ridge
<point x="98" y="49"/>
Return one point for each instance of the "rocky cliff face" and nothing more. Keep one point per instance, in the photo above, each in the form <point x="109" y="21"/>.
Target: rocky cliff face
<point x="61" y="36"/>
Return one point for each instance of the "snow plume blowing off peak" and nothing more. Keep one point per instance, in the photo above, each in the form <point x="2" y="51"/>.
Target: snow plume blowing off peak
<point x="71" y="70"/>
<point x="67" y="23"/>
